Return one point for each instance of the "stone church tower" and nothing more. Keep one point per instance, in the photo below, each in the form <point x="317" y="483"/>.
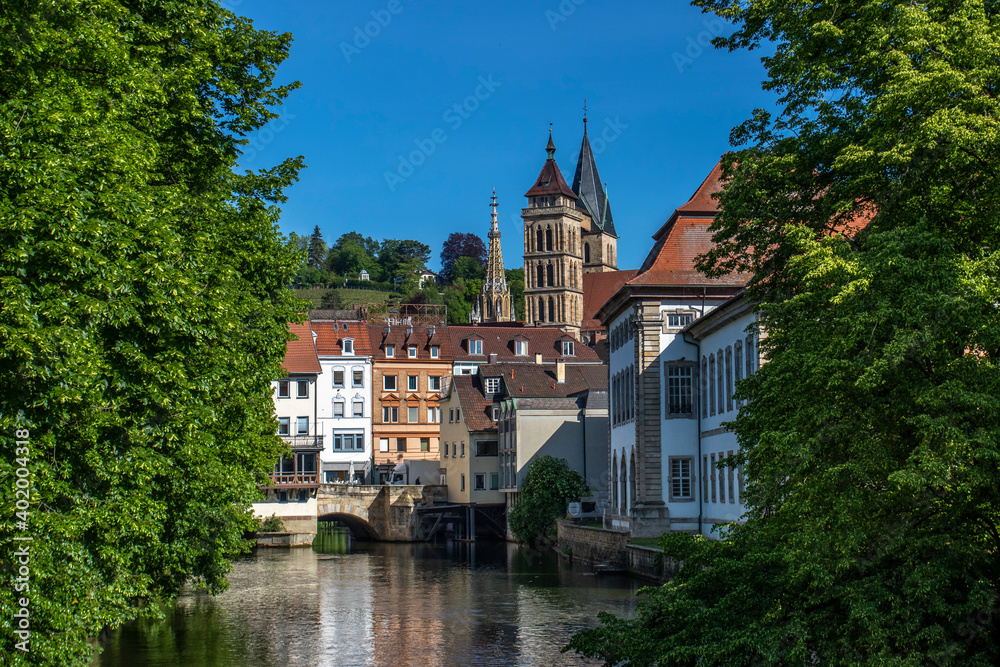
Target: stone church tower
<point x="567" y="232"/>
<point x="494" y="304"/>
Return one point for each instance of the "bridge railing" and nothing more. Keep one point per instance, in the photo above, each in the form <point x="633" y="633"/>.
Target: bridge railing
<point x="294" y="479"/>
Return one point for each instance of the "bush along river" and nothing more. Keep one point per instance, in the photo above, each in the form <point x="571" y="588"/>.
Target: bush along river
<point x="381" y="604"/>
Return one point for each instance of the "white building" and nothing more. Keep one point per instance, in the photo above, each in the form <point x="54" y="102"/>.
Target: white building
<point x="344" y="399"/>
<point x="663" y="440"/>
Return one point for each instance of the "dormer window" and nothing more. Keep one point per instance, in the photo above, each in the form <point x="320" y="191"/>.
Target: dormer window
<point x="411" y="351"/>
<point x="568" y="348"/>
<point x="475" y="346"/>
<point x="435" y="352"/>
<point x="521" y="348"/>
<point x="348" y="344"/>
<point x="492" y="385"/>
<point x="496" y="413"/>
<point x="390" y="351"/>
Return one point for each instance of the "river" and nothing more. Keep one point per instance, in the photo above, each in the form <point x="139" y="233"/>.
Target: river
<point x="381" y="604"/>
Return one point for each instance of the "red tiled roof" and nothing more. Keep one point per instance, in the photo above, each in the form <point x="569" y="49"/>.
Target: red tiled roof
<point x="684" y="237"/>
<point x="550" y="180"/>
<point x="477" y="409"/>
<point x="402" y="337"/>
<point x="597" y="289"/>
<point x="500" y="341"/>
<point x="539" y="380"/>
<point x="330" y="334"/>
<point x="300" y="355"/>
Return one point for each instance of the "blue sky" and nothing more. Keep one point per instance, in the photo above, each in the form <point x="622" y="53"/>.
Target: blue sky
<point x="389" y="153"/>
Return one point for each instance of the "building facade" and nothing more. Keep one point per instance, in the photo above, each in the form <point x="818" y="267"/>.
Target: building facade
<point x="344" y="406"/>
<point x="656" y="431"/>
<point x="469" y="441"/>
<point x="410" y="374"/>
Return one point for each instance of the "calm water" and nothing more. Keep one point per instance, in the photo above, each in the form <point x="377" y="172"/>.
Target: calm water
<point x="382" y="604"/>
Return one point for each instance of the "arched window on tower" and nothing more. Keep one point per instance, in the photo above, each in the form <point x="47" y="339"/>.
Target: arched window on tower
<point x="551" y="275"/>
<point x="552" y="310"/>
<point x="541" y="309"/>
<point x="538" y="239"/>
<point x="586" y="252"/>
<point x="541" y="276"/>
<point x="548" y="238"/>
<point x="499" y="309"/>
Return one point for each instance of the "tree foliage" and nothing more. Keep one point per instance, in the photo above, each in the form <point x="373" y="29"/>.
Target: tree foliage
<point x="461" y="244"/>
<point x="548" y="488"/>
<point x="144" y="304"/>
<point x="515" y="283"/>
<point x="316" y="251"/>
<point x="870" y="441"/>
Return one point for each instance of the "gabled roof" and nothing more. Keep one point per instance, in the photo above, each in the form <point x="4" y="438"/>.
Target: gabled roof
<point x="550" y="180"/>
<point x="499" y="340"/>
<point x="423" y="337"/>
<point x="330" y="334"/>
<point x="684" y="237"/>
<point x="477" y="409"/>
<point x="539" y="380"/>
<point x="588" y="187"/>
<point x="300" y="355"/>
<point x="597" y="289"/>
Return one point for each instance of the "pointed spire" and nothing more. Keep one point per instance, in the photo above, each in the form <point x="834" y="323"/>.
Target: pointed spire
<point x="584" y="116"/>
<point x="550" y="147"/>
<point x="494" y="225"/>
<point x="587" y="186"/>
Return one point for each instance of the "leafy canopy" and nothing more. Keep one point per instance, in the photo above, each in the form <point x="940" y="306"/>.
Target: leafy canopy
<point x="870" y="441"/>
<point x="143" y="303"/>
<point x="548" y="488"/>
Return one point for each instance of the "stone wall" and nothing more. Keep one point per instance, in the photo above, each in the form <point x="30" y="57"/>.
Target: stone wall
<point x="610" y="550"/>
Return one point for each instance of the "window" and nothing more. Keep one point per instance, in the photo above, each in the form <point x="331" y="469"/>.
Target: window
<point x="475" y="346"/>
<point x="720" y="380"/>
<point x="338" y="378"/>
<point x="568" y="348"/>
<point x="729" y="379"/>
<point x="411" y="351"/>
<point x="679" y="399"/>
<point x="492" y="385"/>
<point x="494" y="481"/>
<point x="390" y="415"/>
<point x="678" y="320"/>
<point x="454" y="450"/>
<point x="749" y="354"/>
<point x="302" y="389"/>
<point x="411" y="382"/>
<point x="435" y="352"/>
<point x="480" y="481"/>
<point x="390" y="351"/>
<point x="383" y="444"/>
<point x="358" y="379"/>
<point x="425" y="444"/>
<point x="703" y="381"/>
<point x="549" y="275"/>
<point x="400" y="444"/>
<point x="433" y="415"/>
<point x="463" y="483"/>
<point x="722" y="483"/>
<point x="458" y="414"/>
<point x="348" y="344"/>
<point x="496" y="413"/>
<point x="349" y="442"/>
<point x="680" y="479"/>
<point x="434" y="383"/>
<point x="729" y="477"/>
<point x="451" y="416"/>
<point x="338" y="409"/>
<point x="284" y="423"/>
<point x="389" y="382"/>
<point x="343" y="326"/>
<point x="712" y="471"/>
<point x="711" y="384"/>
<point x="704" y="478"/>
<point x="412" y="415"/>
<point x="283" y="389"/>
<point x="302" y="426"/>
<point x="444" y="449"/>
<point x="486" y="447"/>
<point x="738" y="367"/>
<point x="358" y="409"/>
<point x="463" y="449"/>
<point x="521" y="348"/>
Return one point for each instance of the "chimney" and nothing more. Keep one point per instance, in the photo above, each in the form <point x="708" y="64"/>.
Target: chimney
<point x="493" y="357"/>
<point x="538" y="358"/>
<point x="560" y="371"/>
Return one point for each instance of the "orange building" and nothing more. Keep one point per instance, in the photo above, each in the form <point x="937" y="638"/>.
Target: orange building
<point x="411" y="372"/>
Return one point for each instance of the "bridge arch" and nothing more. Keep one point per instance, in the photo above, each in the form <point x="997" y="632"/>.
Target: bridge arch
<point x="360" y="528"/>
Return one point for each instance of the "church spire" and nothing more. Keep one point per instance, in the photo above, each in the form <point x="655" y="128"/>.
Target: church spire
<point x="587" y="185"/>
<point x="494" y="301"/>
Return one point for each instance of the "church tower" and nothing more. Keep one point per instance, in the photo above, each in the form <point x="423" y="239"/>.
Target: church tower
<point x="494" y="301"/>
<point x="600" y="242"/>
<point x="553" y="251"/>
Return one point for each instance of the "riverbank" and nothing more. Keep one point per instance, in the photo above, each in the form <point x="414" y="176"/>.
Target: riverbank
<point x="610" y="551"/>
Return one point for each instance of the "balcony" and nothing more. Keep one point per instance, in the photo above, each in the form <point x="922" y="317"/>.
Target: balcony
<point x="294" y="480"/>
<point x="303" y="441"/>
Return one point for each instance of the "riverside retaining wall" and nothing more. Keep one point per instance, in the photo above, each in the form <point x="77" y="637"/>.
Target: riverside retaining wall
<point x="609" y="550"/>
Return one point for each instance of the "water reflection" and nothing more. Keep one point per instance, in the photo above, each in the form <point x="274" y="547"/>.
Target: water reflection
<point x="383" y="605"/>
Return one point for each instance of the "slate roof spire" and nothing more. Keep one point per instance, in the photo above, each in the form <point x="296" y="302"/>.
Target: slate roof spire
<point x="587" y="186"/>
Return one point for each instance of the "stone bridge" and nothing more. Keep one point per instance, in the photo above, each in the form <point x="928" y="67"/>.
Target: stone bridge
<point x="386" y="512"/>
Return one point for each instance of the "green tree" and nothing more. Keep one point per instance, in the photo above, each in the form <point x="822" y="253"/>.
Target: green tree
<point x="515" y="283"/>
<point x="548" y="488"/>
<point x="144" y="305"/>
<point x="460" y="298"/>
<point x="316" y="250"/>
<point x="871" y="437"/>
<point x="348" y="258"/>
<point x="467" y="268"/>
